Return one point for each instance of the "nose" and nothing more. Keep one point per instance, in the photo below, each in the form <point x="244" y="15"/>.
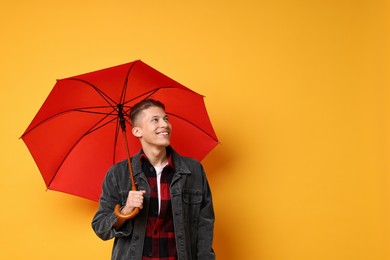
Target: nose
<point x="163" y="123"/>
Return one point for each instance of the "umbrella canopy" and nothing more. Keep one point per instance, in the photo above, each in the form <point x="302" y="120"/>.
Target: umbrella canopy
<point x="76" y="135"/>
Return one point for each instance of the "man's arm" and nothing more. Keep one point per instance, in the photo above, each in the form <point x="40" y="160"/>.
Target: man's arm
<point x="105" y="218"/>
<point x="206" y="224"/>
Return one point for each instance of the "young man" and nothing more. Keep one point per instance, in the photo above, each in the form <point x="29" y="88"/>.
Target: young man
<point x="176" y="217"/>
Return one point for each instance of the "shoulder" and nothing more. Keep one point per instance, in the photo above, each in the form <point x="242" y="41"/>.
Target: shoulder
<point x="119" y="165"/>
<point x="185" y="163"/>
<point x="190" y="161"/>
<point x="118" y="169"/>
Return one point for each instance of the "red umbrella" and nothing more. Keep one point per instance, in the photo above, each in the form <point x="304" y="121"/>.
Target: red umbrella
<point x="76" y="135"/>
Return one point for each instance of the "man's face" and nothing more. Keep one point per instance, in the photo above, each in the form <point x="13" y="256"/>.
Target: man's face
<point x="152" y="127"/>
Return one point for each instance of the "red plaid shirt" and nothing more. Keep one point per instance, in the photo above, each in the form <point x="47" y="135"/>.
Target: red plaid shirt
<point x="160" y="234"/>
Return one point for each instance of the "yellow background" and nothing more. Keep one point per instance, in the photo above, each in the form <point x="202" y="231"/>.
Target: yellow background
<point x="298" y="92"/>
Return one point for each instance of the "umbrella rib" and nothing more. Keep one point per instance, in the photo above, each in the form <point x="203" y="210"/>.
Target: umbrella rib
<point x="152" y="92"/>
<point x="83" y="110"/>
<point x="107" y="98"/>
<point x="122" y="100"/>
<point x="123" y="95"/>
<point x="91" y="130"/>
<point x="111" y="103"/>
<point x="126" y="83"/>
<point x="148" y="94"/>
<point x="212" y="137"/>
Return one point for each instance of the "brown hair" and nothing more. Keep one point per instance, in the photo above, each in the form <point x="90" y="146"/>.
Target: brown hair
<point x="142" y="105"/>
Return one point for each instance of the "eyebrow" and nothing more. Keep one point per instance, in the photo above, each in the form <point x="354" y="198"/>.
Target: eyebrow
<point x="155" y="116"/>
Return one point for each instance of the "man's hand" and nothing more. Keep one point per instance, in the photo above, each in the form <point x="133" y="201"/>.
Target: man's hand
<point x="135" y="199"/>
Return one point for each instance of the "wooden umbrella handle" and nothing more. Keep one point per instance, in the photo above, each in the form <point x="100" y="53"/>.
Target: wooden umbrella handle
<point x="125" y="216"/>
<point x="117" y="210"/>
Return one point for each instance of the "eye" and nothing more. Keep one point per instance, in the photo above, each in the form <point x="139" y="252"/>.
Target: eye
<point x="166" y="119"/>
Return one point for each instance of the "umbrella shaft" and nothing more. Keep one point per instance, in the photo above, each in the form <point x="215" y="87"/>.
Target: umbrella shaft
<point x="133" y="182"/>
<point x="121" y="116"/>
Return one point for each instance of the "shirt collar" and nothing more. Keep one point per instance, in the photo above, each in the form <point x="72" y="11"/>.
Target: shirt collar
<point x="169" y="154"/>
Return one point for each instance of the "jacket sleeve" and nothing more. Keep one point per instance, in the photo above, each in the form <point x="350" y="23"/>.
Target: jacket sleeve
<point x="206" y="224"/>
<point x="105" y="217"/>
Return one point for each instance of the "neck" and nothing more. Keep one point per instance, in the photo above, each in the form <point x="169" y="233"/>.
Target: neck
<point x="157" y="157"/>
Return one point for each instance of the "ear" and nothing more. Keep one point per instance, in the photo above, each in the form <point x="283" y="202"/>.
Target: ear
<point x="136" y="132"/>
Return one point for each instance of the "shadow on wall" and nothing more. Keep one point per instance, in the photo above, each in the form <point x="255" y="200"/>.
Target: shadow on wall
<point x="217" y="164"/>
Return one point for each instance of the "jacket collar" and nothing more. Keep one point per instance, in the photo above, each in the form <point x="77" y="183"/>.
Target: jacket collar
<point x="174" y="159"/>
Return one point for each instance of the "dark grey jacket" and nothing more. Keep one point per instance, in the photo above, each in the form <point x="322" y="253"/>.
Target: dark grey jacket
<point x="192" y="207"/>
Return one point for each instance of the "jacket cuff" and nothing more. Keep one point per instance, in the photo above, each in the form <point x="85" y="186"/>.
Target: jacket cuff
<point x="124" y="230"/>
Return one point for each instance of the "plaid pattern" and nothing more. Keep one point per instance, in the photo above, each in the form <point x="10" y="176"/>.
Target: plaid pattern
<point x="160" y="235"/>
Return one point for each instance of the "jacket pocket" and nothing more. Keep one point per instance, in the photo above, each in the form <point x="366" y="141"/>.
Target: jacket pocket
<point x="192" y="200"/>
<point x="192" y="197"/>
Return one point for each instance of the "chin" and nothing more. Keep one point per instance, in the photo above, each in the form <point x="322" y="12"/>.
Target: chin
<point x="162" y="143"/>
<point x="166" y="144"/>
